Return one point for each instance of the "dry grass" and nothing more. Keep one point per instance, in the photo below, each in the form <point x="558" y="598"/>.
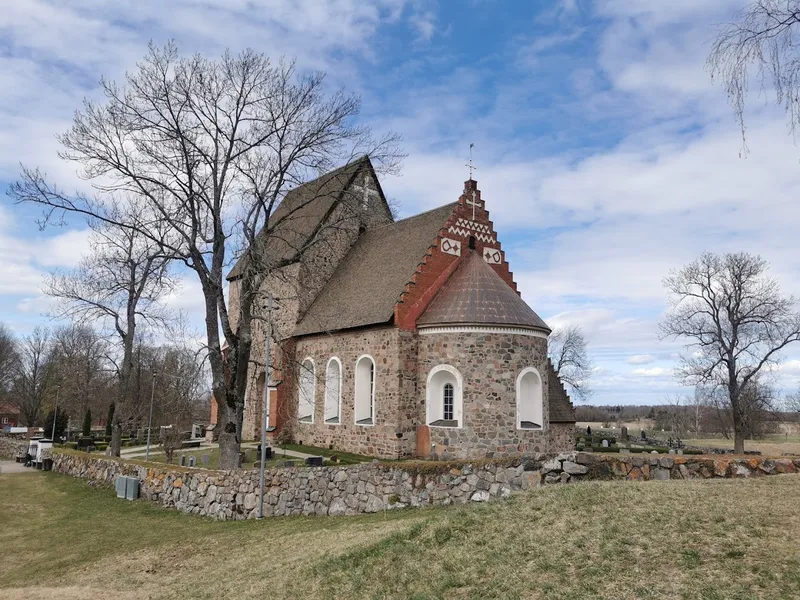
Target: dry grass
<point x="699" y="539"/>
<point x="770" y="446"/>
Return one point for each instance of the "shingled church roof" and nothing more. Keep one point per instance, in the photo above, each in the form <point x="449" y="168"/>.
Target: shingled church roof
<point x="476" y="295"/>
<point x="297" y="217"/>
<point x="368" y="282"/>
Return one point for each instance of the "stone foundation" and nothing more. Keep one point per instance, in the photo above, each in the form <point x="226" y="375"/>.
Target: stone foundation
<point x="374" y="487"/>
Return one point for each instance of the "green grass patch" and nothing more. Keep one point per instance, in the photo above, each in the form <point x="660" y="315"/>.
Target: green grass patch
<point x="344" y="458"/>
<point x="60" y="537"/>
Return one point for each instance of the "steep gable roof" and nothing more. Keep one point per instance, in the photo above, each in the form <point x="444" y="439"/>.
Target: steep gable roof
<point x="368" y="282"/>
<point x="476" y="295"/>
<point x="301" y="211"/>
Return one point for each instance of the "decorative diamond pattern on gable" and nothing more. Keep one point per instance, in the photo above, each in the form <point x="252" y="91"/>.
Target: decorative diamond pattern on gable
<point x="466" y="228"/>
<point x="492" y="256"/>
<point x="449" y="246"/>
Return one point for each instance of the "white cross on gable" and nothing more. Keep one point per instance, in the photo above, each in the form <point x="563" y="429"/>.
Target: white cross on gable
<point x="474" y="202"/>
<point x="367" y="191"/>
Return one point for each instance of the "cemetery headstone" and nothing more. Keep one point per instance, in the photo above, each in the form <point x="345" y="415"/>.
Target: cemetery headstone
<point x="680" y="451"/>
<point x="288" y="463"/>
<point x="604" y="444"/>
<point x="205" y="459"/>
<point x="314" y="461"/>
<point x="624" y="434"/>
<point x="191" y="461"/>
<point x="183" y="460"/>
<point x="672" y="451"/>
<point x="248" y="455"/>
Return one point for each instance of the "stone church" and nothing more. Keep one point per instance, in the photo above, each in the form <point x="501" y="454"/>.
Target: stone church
<point x="399" y="338"/>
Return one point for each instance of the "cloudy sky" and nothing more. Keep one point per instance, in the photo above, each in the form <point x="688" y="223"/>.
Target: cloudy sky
<point x="604" y="152"/>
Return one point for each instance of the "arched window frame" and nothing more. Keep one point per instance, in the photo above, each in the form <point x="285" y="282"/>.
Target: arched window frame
<point x="313" y="402"/>
<point x="338" y="362"/>
<point x="434" y="398"/>
<point x="357" y="387"/>
<point x="522" y="374"/>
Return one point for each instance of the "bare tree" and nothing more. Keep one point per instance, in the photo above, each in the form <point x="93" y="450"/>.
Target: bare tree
<point x="761" y="37"/>
<point x="735" y="322"/>
<point x="34" y="381"/>
<point x="211" y="147"/>
<point x="567" y="350"/>
<point x="119" y="287"/>
<point x="80" y="367"/>
<point x="792" y="402"/>
<point x="9" y="358"/>
<point x="675" y="415"/>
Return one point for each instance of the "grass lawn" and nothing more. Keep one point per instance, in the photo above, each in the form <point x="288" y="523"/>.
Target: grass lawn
<point x="345" y="458"/>
<point x="213" y="454"/>
<point x="61" y="538"/>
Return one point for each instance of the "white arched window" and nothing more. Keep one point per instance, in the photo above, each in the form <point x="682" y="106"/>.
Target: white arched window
<point x="305" y="405"/>
<point x="333" y="392"/>
<point x="530" y="402"/>
<point x="444" y="404"/>
<point x="365" y="391"/>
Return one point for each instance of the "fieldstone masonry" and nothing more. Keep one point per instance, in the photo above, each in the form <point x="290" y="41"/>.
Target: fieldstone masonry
<point x="374" y="487"/>
<point x="490" y="363"/>
<point x="10" y="448"/>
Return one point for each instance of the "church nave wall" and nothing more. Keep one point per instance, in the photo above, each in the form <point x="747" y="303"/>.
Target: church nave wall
<point x="394" y="354"/>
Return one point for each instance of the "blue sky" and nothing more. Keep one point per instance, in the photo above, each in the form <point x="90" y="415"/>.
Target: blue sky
<point x="606" y="155"/>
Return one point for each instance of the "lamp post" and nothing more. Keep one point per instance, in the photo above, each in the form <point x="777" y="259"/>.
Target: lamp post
<point x="265" y="410"/>
<point x="55" y="416"/>
<point x="150" y="421"/>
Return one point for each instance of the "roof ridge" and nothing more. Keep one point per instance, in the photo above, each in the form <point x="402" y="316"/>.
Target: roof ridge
<point x="422" y="214"/>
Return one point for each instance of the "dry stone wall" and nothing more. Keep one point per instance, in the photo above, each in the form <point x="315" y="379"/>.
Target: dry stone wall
<point x="375" y="487"/>
<point x="10" y="447"/>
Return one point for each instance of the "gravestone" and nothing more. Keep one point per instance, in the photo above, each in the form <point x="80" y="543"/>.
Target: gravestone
<point x="288" y="463"/>
<point x="680" y="451"/>
<point x="191" y="461"/>
<point x="205" y="459"/>
<point x="604" y="444"/>
<point x="248" y="455"/>
<point x="183" y="460"/>
<point x="624" y="434"/>
<point x="314" y="461"/>
<point x="671" y="451"/>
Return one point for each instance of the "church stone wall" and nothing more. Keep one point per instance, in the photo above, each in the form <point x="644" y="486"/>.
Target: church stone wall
<point x="394" y="353"/>
<point x="489" y="364"/>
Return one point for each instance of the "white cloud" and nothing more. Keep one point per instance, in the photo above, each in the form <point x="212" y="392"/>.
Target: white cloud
<point x="652" y="372"/>
<point x="641" y="359"/>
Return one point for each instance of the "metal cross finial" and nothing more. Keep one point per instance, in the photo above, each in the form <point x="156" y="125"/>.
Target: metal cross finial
<point x="469" y="164"/>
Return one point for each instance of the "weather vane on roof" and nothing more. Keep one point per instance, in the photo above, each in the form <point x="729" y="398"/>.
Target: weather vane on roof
<point x="469" y="164"/>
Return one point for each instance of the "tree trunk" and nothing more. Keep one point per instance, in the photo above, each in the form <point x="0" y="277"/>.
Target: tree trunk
<point x="116" y="438"/>
<point x="738" y="430"/>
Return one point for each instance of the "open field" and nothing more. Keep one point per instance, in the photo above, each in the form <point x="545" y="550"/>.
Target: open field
<point x="771" y="445"/>
<point x="713" y="539"/>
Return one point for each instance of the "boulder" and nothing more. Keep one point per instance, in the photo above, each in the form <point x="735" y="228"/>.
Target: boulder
<point x="551" y="465"/>
<point x="480" y="496"/>
<point x="574" y="468"/>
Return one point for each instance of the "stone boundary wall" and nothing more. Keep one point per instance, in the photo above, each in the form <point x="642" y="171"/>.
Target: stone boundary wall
<point x="373" y="487"/>
<point x="9" y="447"/>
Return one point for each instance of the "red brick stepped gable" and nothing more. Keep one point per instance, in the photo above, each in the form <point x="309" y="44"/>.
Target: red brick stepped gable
<point x="438" y="265"/>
